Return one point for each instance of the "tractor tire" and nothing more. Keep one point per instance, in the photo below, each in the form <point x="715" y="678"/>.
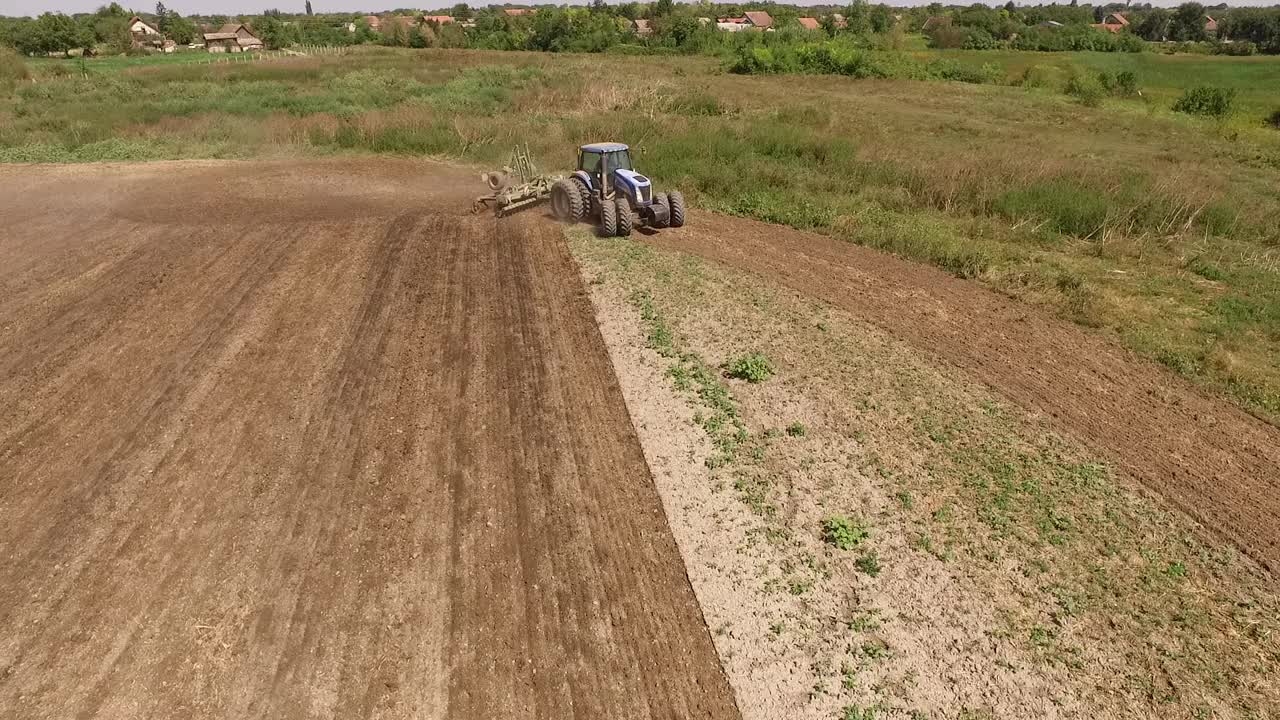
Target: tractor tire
<point x="608" y="219"/>
<point x="663" y="200"/>
<point x="583" y="191"/>
<point x="566" y="202"/>
<point x="676" y="200"/>
<point x="624" y="217"/>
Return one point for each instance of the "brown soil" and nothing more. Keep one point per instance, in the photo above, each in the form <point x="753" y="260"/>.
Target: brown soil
<point x="278" y="442"/>
<point x="1201" y="454"/>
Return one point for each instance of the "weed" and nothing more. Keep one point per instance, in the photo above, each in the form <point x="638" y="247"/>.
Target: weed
<point x="843" y="533"/>
<point x="857" y="712"/>
<point x="869" y="563"/>
<point x="796" y="429"/>
<point x="752" y="367"/>
<point x="904" y="499"/>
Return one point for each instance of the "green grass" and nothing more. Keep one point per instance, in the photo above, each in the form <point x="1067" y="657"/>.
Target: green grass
<point x="1128" y="216"/>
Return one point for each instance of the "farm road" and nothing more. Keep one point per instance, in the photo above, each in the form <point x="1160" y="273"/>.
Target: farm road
<point x="276" y="441"/>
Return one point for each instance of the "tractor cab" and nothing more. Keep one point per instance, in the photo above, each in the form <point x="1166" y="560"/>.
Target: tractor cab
<point x="606" y="168"/>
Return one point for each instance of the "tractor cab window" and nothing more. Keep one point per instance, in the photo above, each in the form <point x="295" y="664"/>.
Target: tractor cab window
<point x="589" y="162"/>
<point x="619" y="159"/>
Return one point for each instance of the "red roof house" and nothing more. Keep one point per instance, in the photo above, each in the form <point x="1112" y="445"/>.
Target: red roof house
<point x="759" y="19"/>
<point x="809" y="23"/>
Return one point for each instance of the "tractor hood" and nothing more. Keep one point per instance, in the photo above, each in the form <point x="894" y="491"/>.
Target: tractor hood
<point x="633" y="184"/>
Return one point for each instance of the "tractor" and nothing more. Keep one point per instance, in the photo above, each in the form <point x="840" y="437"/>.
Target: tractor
<point x="607" y="190"/>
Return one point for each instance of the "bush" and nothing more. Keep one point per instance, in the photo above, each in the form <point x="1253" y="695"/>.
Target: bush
<point x="12" y="68"/>
<point x="1126" y="84"/>
<point x="842" y="533"/>
<point x="1206" y="101"/>
<point x="1274" y="120"/>
<point x="1242" y="48"/>
<point x="1038" y="76"/>
<point x="753" y="367"/>
<point x="1087" y="90"/>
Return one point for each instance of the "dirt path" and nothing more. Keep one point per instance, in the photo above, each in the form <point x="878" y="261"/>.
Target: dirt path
<point x="1203" y="455"/>
<point x="269" y="453"/>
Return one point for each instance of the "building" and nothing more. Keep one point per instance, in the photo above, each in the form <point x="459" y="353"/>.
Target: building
<point x="759" y="19"/>
<point x="438" y="19"/>
<point x="515" y="12"/>
<point x="641" y="27"/>
<point x="809" y="23"/>
<point x="1112" y="23"/>
<point x="144" y="35"/>
<point x="374" y="22"/>
<point x="232" y="37"/>
<point x="1210" y="25"/>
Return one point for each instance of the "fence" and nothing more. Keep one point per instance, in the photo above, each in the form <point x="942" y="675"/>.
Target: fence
<point x="285" y="54"/>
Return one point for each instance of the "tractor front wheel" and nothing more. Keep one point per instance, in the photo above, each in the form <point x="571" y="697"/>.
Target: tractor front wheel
<point x="566" y="202"/>
<point x="675" y="199"/>
<point x="624" y="217"/>
<point x="608" y="219"/>
<point x="664" y="201"/>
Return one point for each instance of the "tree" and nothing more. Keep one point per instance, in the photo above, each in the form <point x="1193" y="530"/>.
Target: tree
<point x="162" y="18"/>
<point x="309" y="13"/>
<point x="857" y="18"/>
<point x="54" y="32"/>
<point x="461" y="11"/>
<point x="1154" y="26"/>
<point x="661" y="8"/>
<point x="880" y="18"/>
<point x="1188" y="23"/>
<point x="181" y="30"/>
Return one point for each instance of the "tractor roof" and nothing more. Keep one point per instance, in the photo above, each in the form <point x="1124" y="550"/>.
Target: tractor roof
<point x="603" y="147"/>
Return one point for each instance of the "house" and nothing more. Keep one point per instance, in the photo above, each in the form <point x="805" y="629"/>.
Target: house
<point x="809" y="23"/>
<point x="232" y="37"/>
<point x="1112" y="23"/>
<point x="1050" y="24"/>
<point x="143" y="34"/>
<point x="732" y="25"/>
<point x="438" y="19"/>
<point x="704" y="21"/>
<point x="641" y="27"/>
<point x="935" y="22"/>
<point x="516" y="12"/>
<point x="1210" y="25"/>
<point x="759" y="19"/>
<point x="374" y="22"/>
<point x="840" y="21"/>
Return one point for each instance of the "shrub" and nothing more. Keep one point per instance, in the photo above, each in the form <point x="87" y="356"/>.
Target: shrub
<point x="1126" y="84"/>
<point x="12" y="68"/>
<point x="869" y="563"/>
<point x="1242" y="48"/>
<point x="1274" y="120"/>
<point x="842" y="533"/>
<point x="1087" y="90"/>
<point x="753" y="367"/>
<point x="796" y="429"/>
<point x="1207" y="101"/>
<point x="1037" y="76"/>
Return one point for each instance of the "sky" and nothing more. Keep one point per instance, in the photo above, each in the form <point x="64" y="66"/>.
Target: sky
<point x="239" y="7"/>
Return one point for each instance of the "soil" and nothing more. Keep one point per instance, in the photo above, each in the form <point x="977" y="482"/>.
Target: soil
<point x="1199" y="453"/>
<point x="296" y="440"/>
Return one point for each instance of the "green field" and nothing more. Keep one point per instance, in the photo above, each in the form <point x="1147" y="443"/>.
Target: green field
<point x="1156" y="227"/>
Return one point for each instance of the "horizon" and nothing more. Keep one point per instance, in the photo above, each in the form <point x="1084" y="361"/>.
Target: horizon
<point x="26" y="8"/>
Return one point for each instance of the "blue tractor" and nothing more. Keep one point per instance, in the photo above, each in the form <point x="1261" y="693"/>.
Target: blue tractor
<point x="607" y="190"/>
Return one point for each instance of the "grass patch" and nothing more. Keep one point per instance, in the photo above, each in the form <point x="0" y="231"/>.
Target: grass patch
<point x="752" y="367"/>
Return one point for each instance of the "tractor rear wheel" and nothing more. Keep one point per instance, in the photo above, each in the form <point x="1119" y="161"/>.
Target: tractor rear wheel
<point x="608" y="219"/>
<point x="584" y="192"/>
<point x="566" y="202"/>
<point x="676" y="201"/>
<point x="624" y="217"/>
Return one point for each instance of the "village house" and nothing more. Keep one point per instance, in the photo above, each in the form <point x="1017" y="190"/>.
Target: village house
<point x="809" y="23"/>
<point x="641" y="27"/>
<point x="374" y="22"/>
<point x="438" y="19"/>
<point x="232" y="37"/>
<point x="935" y="22"/>
<point x="143" y="35"/>
<point x="759" y="19"/>
<point x="1112" y="23"/>
<point x="516" y="12"/>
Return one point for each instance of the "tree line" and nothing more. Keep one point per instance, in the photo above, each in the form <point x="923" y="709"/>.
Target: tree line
<point x="688" y="28"/>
